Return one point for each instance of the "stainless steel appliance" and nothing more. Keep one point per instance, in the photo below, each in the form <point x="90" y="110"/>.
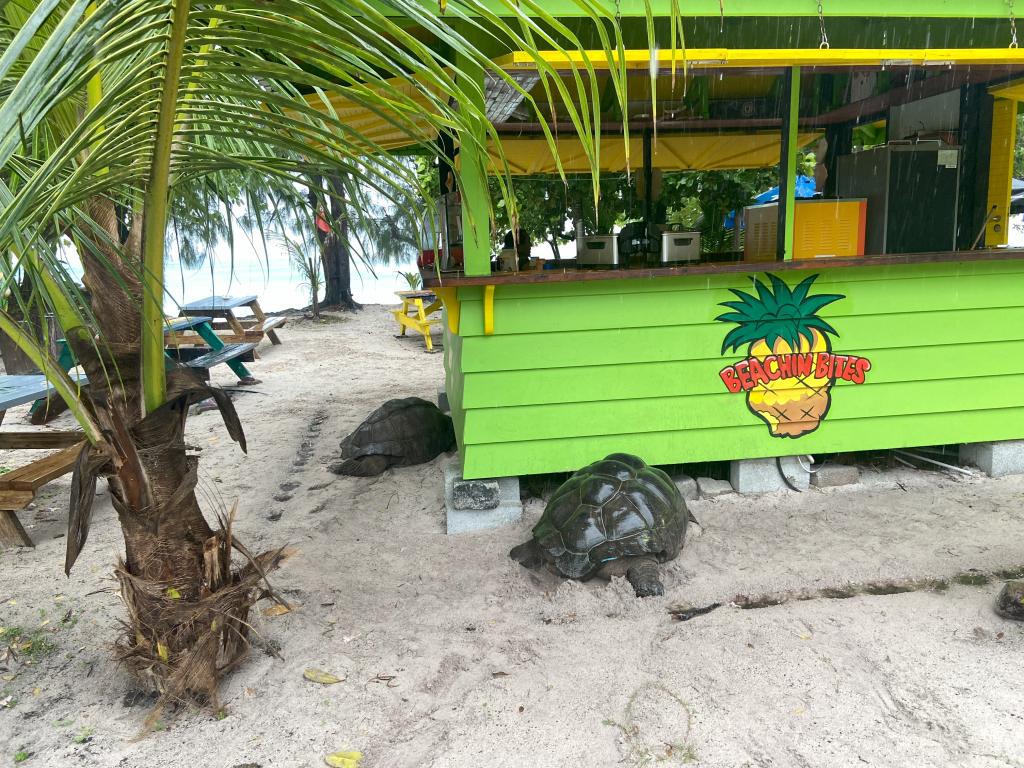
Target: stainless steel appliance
<point x="598" y="251"/>
<point x="680" y="247"/>
<point x="912" y="192"/>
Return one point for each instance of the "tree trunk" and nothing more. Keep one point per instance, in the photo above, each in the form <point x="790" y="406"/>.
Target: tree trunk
<point x="334" y="248"/>
<point x="187" y="609"/>
<point x="315" y="287"/>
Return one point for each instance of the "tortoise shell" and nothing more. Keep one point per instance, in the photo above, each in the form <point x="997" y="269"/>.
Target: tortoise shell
<point x="410" y="430"/>
<point x="614" y="508"/>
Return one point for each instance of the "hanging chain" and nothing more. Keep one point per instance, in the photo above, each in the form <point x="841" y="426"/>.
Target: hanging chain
<point x="721" y="16"/>
<point x="1013" y="26"/>
<point x="821" y="23"/>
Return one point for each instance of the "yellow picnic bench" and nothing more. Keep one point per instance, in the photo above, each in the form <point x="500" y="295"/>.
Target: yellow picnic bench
<point x="415" y="315"/>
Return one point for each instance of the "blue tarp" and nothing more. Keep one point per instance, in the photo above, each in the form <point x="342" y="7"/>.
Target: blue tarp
<point x="805" y="189"/>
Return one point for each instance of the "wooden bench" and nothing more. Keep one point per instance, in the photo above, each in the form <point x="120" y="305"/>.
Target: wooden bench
<point x="18" y="487"/>
<point x="189" y="338"/>
<point x="225" y="354"/>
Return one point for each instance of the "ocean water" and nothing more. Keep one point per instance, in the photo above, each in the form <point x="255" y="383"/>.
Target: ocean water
<point x="272" y="278"/>
<point x="268" y="274"/>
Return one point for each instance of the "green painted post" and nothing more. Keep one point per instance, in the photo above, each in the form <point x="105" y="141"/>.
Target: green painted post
<point x="476" y="224"/>
<point x="207" y="334"/>
<point x="789" y="156"/>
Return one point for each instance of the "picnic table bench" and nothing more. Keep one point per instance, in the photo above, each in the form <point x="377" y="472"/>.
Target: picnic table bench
<point x="190" y="348"/>
<point x="222" y="310"/>
<point x="202" y="349"/>
<point x="415" y="315"/>
<point x="18" y="487"/>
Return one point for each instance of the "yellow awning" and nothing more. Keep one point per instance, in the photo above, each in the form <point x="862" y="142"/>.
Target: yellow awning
<point x="405" y="103"/>
<point x="689" y="152"/>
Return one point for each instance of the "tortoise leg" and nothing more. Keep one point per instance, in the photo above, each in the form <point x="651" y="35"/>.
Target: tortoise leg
<point x="527" y="554"/>
<point x="363" y="466"/>
<point x="643" y="575"/>
<point x="1010" y="603"/>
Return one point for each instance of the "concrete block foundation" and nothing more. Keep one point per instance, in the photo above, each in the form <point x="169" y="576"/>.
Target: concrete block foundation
<point x="832" y="475"/>
<point x="709" y="488"/>
<point x="763" y="475"/>
<point x="997" y="459"/>
<point x="687" y="487"/>
<point x="509" y="508"/>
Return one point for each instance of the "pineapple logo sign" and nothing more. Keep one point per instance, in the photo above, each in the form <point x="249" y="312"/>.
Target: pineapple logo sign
<point x="790" y="366"/>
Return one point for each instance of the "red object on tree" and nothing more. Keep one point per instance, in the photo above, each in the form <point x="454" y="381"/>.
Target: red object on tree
<point x="321" y="223"/>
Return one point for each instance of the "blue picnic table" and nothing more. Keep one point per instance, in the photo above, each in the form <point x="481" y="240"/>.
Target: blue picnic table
<point x="18" y="390"/>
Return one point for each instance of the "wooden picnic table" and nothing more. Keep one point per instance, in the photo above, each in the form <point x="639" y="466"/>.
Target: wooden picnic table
<point x="18" y="487"/>
<point x="177" y="337"/>
<point x="222" y="310"/>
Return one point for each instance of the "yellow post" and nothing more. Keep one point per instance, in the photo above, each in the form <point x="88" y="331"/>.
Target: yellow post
<point x="1000" y="171"/>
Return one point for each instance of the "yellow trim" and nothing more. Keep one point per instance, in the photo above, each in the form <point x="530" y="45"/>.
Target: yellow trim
<point x="1000" y="171"/>
<point x="452" y="306"/>
<point x="488" y="310"/>
<point x="697" y="58"/>
<point x="1011" y="90"/>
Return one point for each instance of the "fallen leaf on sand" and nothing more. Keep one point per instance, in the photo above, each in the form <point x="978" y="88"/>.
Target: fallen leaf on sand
<point x="276" y="610"/>
<point x="344" y="759"/>
<point x="324" y="678"/>
<point x="499" y="674"/>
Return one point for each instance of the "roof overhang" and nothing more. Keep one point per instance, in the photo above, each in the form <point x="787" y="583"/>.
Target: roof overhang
<point x="687" y="152"/>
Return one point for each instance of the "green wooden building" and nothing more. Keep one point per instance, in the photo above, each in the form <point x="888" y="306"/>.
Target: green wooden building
<point x="911" y="334"/>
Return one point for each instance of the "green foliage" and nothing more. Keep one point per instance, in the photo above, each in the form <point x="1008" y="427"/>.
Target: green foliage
<point x="548" y="208"/>
<point x="714" y="194"/>
<point x="304" y="255"/>
<point x="776" y="313"/>
<point x="21" y="756"/>
<point x="34" y="644"/>
<point x="868" y="136"/>
<point x="413" y="279"/>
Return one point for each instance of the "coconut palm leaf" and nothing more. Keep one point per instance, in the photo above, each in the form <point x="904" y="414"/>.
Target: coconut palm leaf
<point x="109" y="109"/>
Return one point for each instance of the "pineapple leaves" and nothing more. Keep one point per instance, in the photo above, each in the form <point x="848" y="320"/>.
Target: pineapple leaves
<point x="778" y="312"/>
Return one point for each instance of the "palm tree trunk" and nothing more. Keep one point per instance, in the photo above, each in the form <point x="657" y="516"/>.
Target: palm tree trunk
<point x="187" y="609"/>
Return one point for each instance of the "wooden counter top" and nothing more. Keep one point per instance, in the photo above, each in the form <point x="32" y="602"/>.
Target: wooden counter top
<point x="431" y="280"/>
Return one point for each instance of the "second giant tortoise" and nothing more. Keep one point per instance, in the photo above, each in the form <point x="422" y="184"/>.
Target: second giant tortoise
<point x="615" y="517"/>
<point x="399" y="433"/>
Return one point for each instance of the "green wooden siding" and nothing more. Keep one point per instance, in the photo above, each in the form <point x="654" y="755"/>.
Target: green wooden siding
<point x="578" y="370"/>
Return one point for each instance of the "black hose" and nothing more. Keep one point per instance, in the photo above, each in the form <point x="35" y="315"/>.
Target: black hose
<point x="785" y="477"/>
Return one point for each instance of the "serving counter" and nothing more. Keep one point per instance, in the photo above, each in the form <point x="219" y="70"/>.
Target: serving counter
<point x="548" y="370"/>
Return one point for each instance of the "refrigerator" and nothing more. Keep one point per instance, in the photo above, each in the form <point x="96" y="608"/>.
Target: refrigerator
<point x="912" y="192"/>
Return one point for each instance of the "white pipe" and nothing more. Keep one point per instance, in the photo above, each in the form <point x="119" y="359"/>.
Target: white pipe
<point x="961" y="470"/>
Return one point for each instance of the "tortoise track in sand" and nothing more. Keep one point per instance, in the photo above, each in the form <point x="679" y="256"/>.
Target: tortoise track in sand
<point x="303" y="453"/>
<point x="970" y="578"/>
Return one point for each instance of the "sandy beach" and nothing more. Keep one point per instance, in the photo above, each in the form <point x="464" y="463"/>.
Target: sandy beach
<point x="455" y="657"/>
